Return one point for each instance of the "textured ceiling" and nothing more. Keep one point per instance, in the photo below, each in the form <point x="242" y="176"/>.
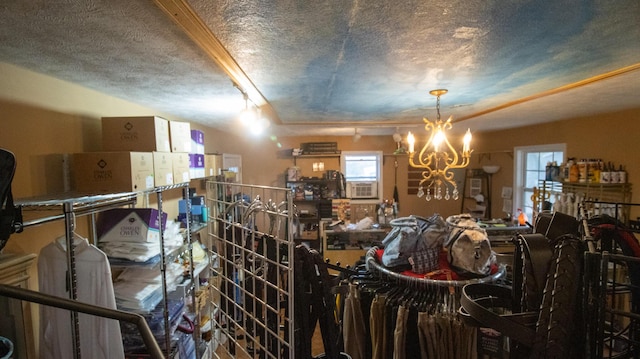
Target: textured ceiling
<point x="326" y="67"/>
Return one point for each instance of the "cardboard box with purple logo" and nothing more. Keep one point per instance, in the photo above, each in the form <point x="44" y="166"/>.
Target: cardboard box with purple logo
<point x="129" y="225"/>
<point x="197" y="142"/>
<point x="196" y="165"/>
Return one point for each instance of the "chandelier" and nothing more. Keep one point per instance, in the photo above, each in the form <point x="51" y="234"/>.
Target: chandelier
<point x="438" y="157"/>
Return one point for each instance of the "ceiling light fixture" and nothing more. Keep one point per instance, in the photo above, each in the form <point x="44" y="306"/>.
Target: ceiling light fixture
<point x="397" y="138"/>
<point x="356" y="135"/>
<point x="248" y="115"/>
<point x="251" y="117"/>
<point x="438" y="157"/>
<point x="259" y="125"/>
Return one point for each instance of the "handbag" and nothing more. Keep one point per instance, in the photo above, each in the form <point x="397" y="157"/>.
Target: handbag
<point x="469" y="249"/>
<point x="415" y="241"/>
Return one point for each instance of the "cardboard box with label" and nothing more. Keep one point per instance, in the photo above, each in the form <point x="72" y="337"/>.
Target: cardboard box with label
<point x="163" y="168"/>
<point x="180" y="135"/>
<point x="212" y="165"/>
<point x="129" y="225"/>
<point x="141" y="133"/>
<point x="181" y="167"/>
<point x="112" y="172"/>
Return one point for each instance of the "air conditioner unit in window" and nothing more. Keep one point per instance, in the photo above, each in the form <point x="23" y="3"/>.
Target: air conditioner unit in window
<point x="362" y="189"/>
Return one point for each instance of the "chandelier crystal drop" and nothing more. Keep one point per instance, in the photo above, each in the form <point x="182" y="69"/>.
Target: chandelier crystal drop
<point x="438" y="157"/>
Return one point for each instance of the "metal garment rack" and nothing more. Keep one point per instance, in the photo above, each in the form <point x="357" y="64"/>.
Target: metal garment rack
<point x="611" y="299"/>
<point x="420" y="283"/>
<point x="75" y="306"/>
<point x="252" y="303"/>
<point x="69" y="206"/>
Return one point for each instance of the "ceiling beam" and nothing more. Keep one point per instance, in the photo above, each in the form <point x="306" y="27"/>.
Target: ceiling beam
<point x="554" y="91"/>
<point x="184" y="15"/>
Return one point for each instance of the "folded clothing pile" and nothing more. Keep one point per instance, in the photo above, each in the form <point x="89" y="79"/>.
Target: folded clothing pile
<point x="139" y="289"/>
<point x="137" y="252"/>
<point x="133" y="233"/>
<point x="186" y="346"/>
<point x="132" y="340"/>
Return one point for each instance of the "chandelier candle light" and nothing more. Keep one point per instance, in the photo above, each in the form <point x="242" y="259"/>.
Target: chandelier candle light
<point x="438" y="157"/>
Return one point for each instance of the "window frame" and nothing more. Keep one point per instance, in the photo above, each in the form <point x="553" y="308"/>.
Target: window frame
<point x="380" y="163"/>
<point x="520" y="166"/>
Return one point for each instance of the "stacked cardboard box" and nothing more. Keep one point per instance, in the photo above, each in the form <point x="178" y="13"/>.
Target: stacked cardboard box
<point x="212" y="165"/>
<point x="163" y="168"/>
<point x="196" y="157"/>
<point x="180" y="136"/>
<point x="143" y="133"/>
<point x="108" y="172"/>
<point x="139" y="153"/>
<point x="181" y="167"/>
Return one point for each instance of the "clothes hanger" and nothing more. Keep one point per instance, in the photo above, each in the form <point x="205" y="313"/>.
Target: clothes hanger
<point x="255" y="205"/>
<point x="282" y="213"/>
<point x="240" y="202"/>
<point x="76" y="239"/>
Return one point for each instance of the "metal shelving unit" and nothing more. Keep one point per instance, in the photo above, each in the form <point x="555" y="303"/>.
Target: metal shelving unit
<point x="600" y="194"/>
<point x="69" y="206"/>
<point x="317" y="155"/>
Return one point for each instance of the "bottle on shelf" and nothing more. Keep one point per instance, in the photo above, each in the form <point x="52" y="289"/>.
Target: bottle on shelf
<point x="622" y="175"/>
<point x="574" y="172"/>
<point x="605" y="174"/>
<point x="522" y="218"/>
<point x="595" y="169"/>
<point x="381" y="219"/>
<point x="566" y="169"/>
<point x="583" y="171"/>
<point x="614" y="174"/>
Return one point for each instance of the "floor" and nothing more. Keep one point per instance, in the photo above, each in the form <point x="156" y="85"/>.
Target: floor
<point x="316" y="343"/>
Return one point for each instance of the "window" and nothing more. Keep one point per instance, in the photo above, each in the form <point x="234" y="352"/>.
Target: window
<point x="363" y="168"/>
<point x="530" y="163"/>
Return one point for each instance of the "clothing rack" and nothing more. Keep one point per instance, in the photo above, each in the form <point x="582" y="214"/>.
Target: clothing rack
<point x="612" y="281"/>
<point x="414" y="282"/>
<point x="74" y="306"/>
<point x="343" y="270"/>
<point x="421" y="312"/>
<point x="251" y="234"/>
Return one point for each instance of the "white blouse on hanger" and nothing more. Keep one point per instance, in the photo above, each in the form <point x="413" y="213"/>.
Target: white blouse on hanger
<point x="99" y="337"/>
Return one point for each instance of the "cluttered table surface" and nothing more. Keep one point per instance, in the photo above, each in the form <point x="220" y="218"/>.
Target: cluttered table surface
<point x="501" y="233"/>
